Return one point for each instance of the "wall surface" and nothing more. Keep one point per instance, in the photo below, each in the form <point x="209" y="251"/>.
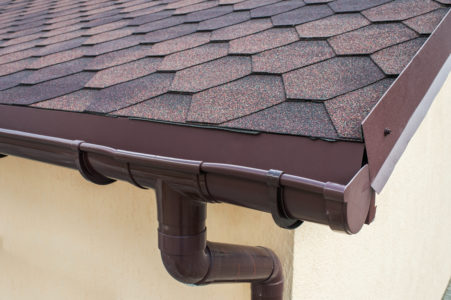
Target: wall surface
<point x="406" y="252"/>
<point x="62" y="237"/>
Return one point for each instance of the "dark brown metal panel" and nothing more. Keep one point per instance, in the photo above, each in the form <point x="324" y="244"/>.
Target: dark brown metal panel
<point x="387" y="122"/>
<point x="301" y="156"/>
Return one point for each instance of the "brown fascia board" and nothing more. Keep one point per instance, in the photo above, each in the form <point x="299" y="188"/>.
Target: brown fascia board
<point x="316" y="159"/>
<point x="394" y="120"/>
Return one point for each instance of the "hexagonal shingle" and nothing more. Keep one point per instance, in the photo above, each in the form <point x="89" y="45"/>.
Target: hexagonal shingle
<point x="348" y="111"/>
<point x="131" y="92"/>
<point x="119" y="57"/>
<point x="355" y="5"/>
<point x="250" y="4"/>
<point x="302" y="15"/>
<point x="57" y="71"/>
<point x="46" y="90"/>
<point x="259" y="42"/>
<point x="213" y="12"/>
<point x="167" y="107"/>
<point x="125" y="72"/>
<point x="300" y="118"/>
<point x="333" y="25"/>
<point x="223" y="21"/>
<point x="168" y="33"/>
<point x="242" y="29"/>
<point x="181" y="43"/>
<point x="108" y="36"/>
<point x="290" y="57"/>
<point x="331" y="78"/>
<point x="370" y="39"/>
<point x="236" y="99"/>
<point x="426" y="23"/>
<point x="394" y="59"/>
<point x="76" y="101"/>
<point x="212" y="73"/>
<point x="191" y="57"/>
<point x="400" y="10"/>
<point x="276" y="8"/>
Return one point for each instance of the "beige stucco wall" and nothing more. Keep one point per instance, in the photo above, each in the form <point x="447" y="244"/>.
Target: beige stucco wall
<point x="406" y="252"/>
<point x="64" y="238"/>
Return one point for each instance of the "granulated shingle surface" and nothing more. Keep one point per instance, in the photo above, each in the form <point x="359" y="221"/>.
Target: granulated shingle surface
<point x="236" y="99"/>
<point x="400" y="10"/>
<point x="168" y="107"/>
<point x="355" y="5"/>
<point x="125" y="72"/>
<point x="369" y="39"/>
<point x="276" y="8"/>
<point x="289" y="117"/>
<point x="242" y="29"/>
<point x="394" y="59"/>
<point x="56" y="71"/>
<point x="302" y="67"/>
<point x="259" y="42"/>
<point x="332" y="25"/>
<point x="224" y="21"/>
<point x="302" y="15"/>
<point x="293" y="56"/>
<point x="331" y="78"/>
<point x="212" y="73"/>
<point x="198" y="55"/>
<point x="348" y="111"/>
<point x="426" y="23"/>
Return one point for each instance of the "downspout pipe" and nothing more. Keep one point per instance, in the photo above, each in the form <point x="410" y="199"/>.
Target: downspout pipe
<point x="191" y="259"/>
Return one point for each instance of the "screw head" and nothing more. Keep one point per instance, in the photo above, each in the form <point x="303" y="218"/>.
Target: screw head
<point x="387" y="131"/>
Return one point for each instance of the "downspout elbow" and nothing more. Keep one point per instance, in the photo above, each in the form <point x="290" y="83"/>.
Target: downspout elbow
<point x="272" y="287"/>
<point x="186" y="258"/>
<point x="191" y="259"/>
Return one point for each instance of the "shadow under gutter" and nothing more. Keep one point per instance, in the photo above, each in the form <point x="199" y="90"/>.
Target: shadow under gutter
<point x="184" y="187"/>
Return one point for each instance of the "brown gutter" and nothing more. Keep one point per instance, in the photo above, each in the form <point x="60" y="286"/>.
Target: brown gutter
<point x="185" y="186"/>
<point x="287" y="197"/>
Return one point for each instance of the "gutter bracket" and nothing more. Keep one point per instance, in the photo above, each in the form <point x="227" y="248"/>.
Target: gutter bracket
<point x="85" y="168"/>
<point x="203" y="187"/>
<point x="278" y="210"/>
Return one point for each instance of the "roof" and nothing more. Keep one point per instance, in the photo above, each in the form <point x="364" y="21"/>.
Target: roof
<point x="311" y="68"/>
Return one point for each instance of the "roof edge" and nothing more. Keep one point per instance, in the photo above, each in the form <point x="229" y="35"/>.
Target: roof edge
<point x="394" y="120"/>
<point x="321" y="160"/>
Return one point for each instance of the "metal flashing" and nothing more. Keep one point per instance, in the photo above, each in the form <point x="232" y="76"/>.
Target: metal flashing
<point x="392" y="122"/>
<point x="414" y="122"/>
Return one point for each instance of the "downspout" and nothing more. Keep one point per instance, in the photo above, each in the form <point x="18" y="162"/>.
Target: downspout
<point x="184" y="187"/>
<point x="191" y="259"/>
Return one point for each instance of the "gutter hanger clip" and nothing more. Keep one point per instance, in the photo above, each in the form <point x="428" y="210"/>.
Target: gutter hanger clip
<point x="278" y="211"/>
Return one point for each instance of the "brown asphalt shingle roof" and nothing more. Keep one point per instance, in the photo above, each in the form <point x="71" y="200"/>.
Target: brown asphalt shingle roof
<point x="302" y="67"/>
